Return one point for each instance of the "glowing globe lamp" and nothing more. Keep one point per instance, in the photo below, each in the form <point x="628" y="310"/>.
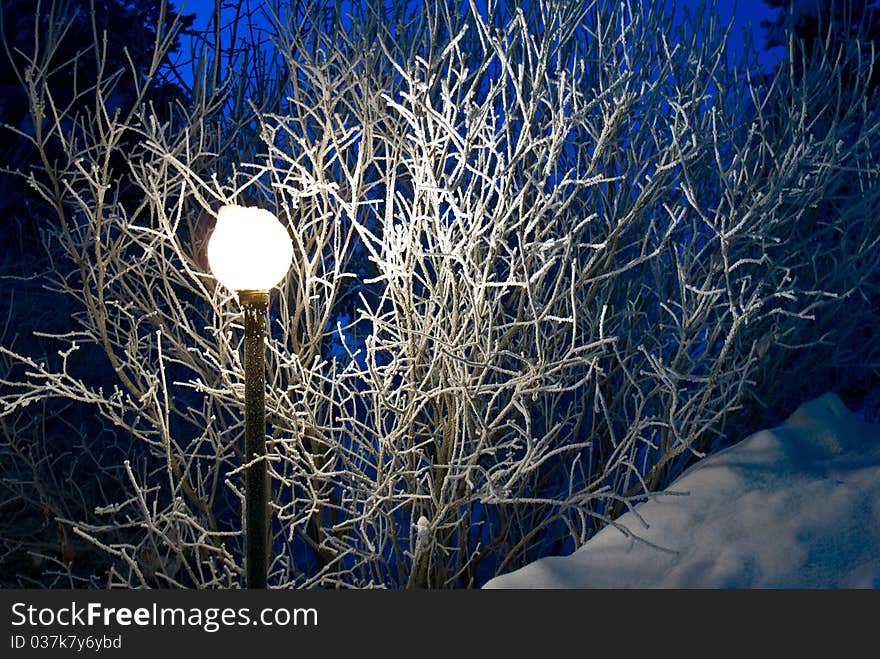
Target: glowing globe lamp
<point x="249" y="250"/>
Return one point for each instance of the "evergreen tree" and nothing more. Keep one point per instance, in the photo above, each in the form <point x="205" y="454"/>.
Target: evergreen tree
<point x="65" y="37"/>
<point x="841" y="25"/>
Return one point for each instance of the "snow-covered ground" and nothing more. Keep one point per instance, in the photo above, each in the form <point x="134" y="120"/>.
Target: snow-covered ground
<point x="797" y="506"/>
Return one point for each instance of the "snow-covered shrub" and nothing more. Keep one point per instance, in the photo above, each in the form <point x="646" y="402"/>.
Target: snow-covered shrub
<point x="544" y="253"/>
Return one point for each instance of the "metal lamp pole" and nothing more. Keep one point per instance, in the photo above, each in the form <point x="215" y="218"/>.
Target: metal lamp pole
<point x="250" y="252"/>
<point x="256" y="480"/>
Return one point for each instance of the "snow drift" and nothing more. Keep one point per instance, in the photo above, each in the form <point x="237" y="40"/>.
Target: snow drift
<point x="797" y="506"/>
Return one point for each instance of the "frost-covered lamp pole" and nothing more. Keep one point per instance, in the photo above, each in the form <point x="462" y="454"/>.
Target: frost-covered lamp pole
<point x="250" y="252"/>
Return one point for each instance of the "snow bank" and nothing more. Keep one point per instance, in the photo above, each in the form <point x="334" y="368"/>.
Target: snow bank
<point x="797" y="506"/>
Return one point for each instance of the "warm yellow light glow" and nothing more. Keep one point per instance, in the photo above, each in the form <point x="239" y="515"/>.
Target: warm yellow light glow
<point x="249" y="249"/>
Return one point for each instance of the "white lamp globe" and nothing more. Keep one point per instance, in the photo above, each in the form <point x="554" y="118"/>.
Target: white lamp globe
<point x="249" y="249"/>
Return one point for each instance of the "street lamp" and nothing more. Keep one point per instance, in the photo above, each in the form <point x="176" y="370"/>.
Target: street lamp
<point x="250" y="252"/>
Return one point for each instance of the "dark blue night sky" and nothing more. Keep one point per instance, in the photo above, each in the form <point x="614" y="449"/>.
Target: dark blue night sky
<point x="745" y="13"/>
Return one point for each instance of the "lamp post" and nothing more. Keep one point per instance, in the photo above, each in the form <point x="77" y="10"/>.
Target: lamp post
<point x="250" y="252"/>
